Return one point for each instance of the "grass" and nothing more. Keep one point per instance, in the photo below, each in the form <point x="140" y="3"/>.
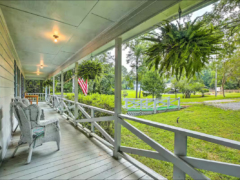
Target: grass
<point x="194" y="98"/>
<point x="199" y="117"/>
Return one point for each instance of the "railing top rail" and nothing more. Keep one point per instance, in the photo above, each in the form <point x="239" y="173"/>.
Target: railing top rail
<point x="67" y="100"/>
<point x="198" y="135"/>
<point x="96" y="108"/>
<point x="91" y="107"/>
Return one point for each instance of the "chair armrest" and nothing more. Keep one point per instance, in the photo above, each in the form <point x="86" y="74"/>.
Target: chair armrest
<point x="47" y="122"/>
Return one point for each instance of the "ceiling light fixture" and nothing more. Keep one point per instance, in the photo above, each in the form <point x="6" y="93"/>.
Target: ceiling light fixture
<point x="41" y="66"/>
<point x="55" y="36"/>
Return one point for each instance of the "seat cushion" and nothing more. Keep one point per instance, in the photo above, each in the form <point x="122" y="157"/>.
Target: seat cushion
<point x="38" y="131"/>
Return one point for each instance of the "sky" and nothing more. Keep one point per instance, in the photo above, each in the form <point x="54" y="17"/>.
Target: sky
<point x="194" y="15"/>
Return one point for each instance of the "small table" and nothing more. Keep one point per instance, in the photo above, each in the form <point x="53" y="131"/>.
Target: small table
<point x="32" y="96"/>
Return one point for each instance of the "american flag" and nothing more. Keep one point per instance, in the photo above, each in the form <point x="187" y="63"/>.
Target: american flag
<point x="83" y="85"/>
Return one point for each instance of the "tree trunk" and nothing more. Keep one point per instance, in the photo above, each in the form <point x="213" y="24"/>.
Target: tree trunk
<point x="223" y="82"/>
<point x="140" y="92"/>
<point x="216" y="83"/>
<point x="187" y="94"/>
<point x="153" y="95"/>
<point x="175" y="90"/>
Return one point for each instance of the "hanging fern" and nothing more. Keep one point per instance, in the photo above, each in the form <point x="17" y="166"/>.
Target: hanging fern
<point x="183" y="47"/>
<point x="90" y="69"/>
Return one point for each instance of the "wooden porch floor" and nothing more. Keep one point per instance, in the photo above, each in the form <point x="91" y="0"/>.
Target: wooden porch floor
<point x="79" y="158"/>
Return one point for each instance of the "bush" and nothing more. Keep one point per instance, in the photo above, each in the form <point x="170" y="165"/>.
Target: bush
<point x="204" y="90"/>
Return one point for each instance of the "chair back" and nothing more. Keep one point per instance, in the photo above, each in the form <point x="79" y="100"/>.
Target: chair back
<point x="26" y="101"/>
<point x="18" y="99"/>
<point x="24" y="122"/>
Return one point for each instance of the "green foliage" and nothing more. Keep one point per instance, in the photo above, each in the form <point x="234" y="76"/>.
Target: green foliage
<point x="47" y="83"/>
<point x="153" y="84"/>
<point x="183" y="48"/>
<point x="90" y="69"/>
<point x="204" y="90"/>
<point x="34" y="86"/>
<point x="136" y="58"/>
<point x="125" y="94"/>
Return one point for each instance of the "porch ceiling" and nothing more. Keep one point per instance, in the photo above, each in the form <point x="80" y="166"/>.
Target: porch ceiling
<point x="79" y="24"/>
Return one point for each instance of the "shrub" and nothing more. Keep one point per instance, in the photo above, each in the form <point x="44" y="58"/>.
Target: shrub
<point x="204" y="90"/>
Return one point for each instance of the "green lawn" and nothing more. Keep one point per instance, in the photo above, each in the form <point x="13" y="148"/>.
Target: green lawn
<point x="194" y="98"/>
<point x="197" y="117"/>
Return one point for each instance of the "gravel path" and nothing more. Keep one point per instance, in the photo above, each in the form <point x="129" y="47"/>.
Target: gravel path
<point x="226" y="106"/>
<point x="219" y="101"/>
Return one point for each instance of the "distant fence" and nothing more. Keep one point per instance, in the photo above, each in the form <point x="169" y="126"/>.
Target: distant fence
<point x="136" y="106"/>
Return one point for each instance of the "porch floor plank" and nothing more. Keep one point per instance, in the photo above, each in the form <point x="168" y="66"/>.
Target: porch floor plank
<point x="78" y="158"/>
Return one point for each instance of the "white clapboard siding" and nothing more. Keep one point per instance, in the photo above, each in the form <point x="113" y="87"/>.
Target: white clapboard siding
<point x="7" y="57"/>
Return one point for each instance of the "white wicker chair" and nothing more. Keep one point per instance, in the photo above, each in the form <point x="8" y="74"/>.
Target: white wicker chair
<point x="33" y="131"/>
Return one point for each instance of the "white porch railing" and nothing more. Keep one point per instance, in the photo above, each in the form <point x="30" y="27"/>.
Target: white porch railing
<point x="151" y="104"/>
<point x="41" y="96"/>
<point x="183" y="164"/>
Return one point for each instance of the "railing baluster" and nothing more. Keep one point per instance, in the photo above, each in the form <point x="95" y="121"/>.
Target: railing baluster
<point x="180" y="149"/>
<point x="92" y="115"/>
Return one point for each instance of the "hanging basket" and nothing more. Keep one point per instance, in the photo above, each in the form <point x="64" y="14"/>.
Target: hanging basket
<point x="90" y="69"/>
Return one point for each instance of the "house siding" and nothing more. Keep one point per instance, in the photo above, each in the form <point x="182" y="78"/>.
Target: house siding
<point x="7" y="57"/>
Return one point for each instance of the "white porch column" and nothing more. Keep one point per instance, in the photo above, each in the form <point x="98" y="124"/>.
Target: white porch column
<point x="118" y="101"/>
<point x="46" y="89"/>
<point x="53" y="85"/>
<point x="76" y="91"/>
<point x="61" y="112"/>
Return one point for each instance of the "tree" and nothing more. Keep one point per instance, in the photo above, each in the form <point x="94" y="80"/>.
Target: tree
<point x="229" y="69"/>
<point x="183" y="47"/>
<point x="135" y="59"/>
<point x="152" y="83"/>
<point x="129" y="78"/>
<point x="175" y="86"/>
<point x="185" y="87"/>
